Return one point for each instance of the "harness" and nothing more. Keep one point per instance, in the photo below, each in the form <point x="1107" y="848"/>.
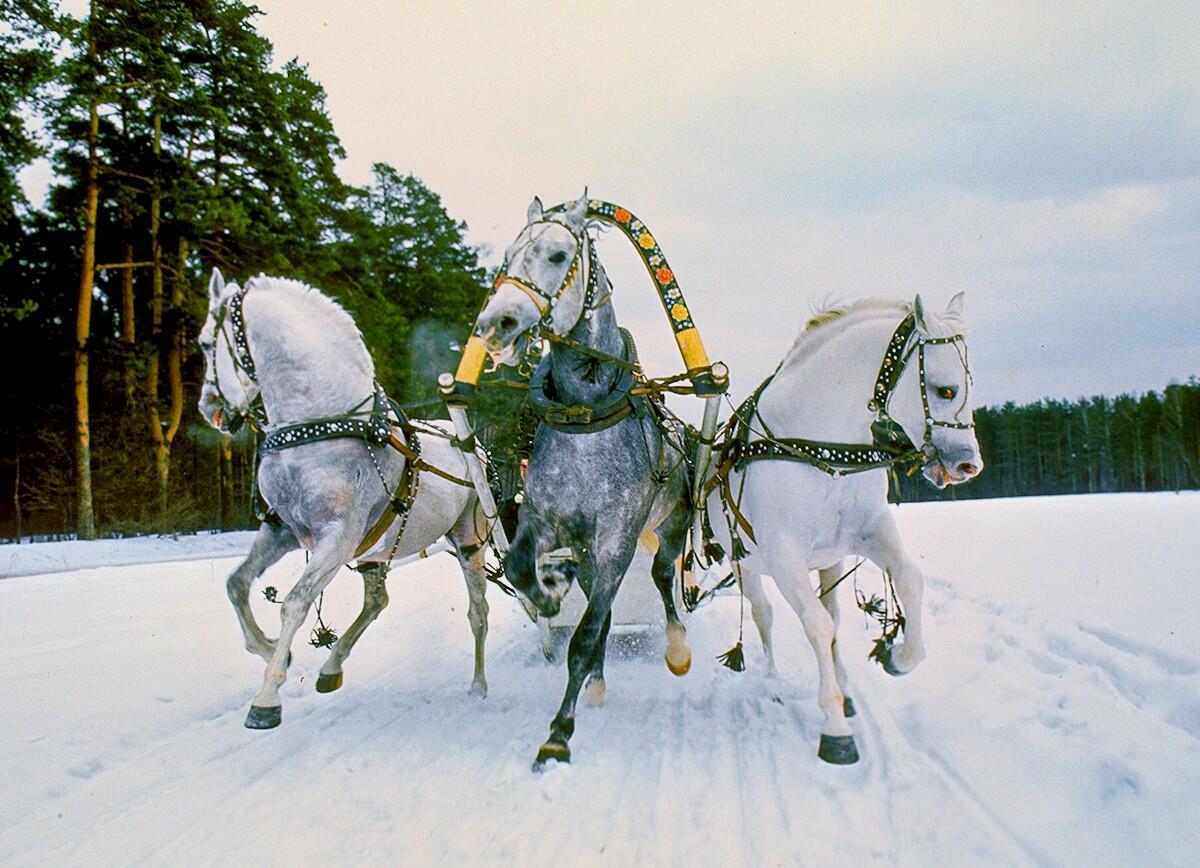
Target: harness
<point x="889" y="446"/>
<point x="374" y="427"/>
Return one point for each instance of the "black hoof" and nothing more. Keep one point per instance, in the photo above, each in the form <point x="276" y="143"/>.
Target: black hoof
<point x="884" y="656"/>
<point x="264" y="718"/>
<point x="328" y="683"/>
<point x="551" y="750"/>
<point x="847" y="705"/>
<point x="838" y="749"/>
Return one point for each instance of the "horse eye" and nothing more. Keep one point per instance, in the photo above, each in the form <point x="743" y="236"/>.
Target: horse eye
<point x="947" y="392"/>
<point x="558" y="257"/>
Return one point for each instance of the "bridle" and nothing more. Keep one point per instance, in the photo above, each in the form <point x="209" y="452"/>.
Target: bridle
<point x="896" y="358"/>
<point x="545" y="301"/>
<point x="243" y="363"/>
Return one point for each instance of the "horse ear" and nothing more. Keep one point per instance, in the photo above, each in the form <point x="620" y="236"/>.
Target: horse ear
<point x="535" y="210"/>
<point x="919" y="314"/>
<point x="216" y="285"/>
<point x="954" y="309"/>
<point x="577" y="213"/>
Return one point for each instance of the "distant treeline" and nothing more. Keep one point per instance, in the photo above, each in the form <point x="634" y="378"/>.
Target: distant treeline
<point x="1128" y="443"/>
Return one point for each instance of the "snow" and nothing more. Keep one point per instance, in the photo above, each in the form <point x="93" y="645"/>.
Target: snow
<point x="1056" y="720"/>
<point x="31" y="559"/>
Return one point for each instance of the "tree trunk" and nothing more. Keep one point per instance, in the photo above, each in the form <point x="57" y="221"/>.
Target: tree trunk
<point x="227" y="503"/>
<point x="85" y="514"/>
<point x="128" y="330"/>
<point x="17" y="513"/>
<point x="162" y="448"/>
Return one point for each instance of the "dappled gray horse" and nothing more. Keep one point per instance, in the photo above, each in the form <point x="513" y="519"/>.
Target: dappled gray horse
<point x="339" y="489"/>
<point x="601" y="472"/>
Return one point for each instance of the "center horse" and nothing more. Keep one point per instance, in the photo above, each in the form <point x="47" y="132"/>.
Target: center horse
<point x="803" y="475"/>
<point x="344" y="475"/>
<point x="601" y="472"/>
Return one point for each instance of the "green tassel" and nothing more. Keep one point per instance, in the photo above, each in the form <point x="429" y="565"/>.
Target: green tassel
<point x="689" y="561"/>
<point x="691" y="597"/>
<point x="323" y="637"/>
<point x="734" y="658"/>
<point x="713" y="551"/>
<point x="739" y="548"/>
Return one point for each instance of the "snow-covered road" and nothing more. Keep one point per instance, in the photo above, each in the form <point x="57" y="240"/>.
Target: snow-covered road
<point x="1056" y="721"/>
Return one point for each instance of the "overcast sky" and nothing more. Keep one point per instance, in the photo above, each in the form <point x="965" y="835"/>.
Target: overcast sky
<point x="1045" y="157"/>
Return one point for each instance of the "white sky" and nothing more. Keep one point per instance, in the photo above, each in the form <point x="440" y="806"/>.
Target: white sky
<point x="1043" y="157"/>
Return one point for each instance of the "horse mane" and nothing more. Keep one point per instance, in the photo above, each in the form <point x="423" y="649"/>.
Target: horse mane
<point x="333" y="316"/>
<point x="817" y="330"/>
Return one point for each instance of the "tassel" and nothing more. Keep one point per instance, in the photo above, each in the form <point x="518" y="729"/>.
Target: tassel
<point x="323" y="637"/>
<point x="713" y="551"/>
<point x="691" y="597"/>
<point x="734" y="658"/>
<point x="739" y="548"/>
<point x="689" y="560"/>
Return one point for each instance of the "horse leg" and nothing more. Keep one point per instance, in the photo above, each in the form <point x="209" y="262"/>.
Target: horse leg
<point x="270" y="544"/>
<point x="883" y="546"/>
<point x="375" y="599"/>
<point x="581" y="658"/>
<point x="477" y="613"/>
<point x="829" y="577"/>
<point x="761" y="611"/>
<point x="671" y="536"/>
<point x="327" y="558"/>
<point x="595" y="688"/>
<point x="785" y="564"/>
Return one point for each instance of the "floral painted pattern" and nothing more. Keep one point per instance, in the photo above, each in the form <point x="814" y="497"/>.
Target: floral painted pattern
<point x="652" y="256"/>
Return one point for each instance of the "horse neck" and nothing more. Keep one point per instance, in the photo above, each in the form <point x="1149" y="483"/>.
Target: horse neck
<point x="573" y="370"/>
<point x="823" y="395"/>
<point x="305" y="370"/>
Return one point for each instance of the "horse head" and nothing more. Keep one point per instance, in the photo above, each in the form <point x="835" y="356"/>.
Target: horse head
<point x="932" y="399"/>
<point x="542" y="284"/>
<point x="229" y="390"/>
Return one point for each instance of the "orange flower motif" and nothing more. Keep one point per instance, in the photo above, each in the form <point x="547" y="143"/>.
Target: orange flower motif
<point x="622" y="216"/>
<point x="664" y="276"/>
<point x="679" y="313"/>
<point x="646" y="240"/>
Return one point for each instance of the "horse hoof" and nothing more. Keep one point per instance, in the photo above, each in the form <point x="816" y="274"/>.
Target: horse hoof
<point x="479" y="691"/>
<point x="551" y="750"/>
<point x="681" y="662"/>
<point x="889" y="665"/>
<point x="838" y="749"/>
<point x="261" y="717"/>
<point x="847" y="706"/>
<point x="327" y="682"/>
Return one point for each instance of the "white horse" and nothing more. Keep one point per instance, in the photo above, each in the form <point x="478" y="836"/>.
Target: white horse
<point x="299" y="352"/>
<point x="807" y="512"/>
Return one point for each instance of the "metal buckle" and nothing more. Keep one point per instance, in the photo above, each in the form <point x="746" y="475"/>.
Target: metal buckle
<point x="575" y="415"/>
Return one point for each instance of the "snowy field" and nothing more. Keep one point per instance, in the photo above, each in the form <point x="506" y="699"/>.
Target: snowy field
<point x="1056" y="720"/>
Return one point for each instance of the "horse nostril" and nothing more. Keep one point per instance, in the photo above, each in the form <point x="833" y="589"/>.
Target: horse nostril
<point x="508" y="323"/>
<point x="966" y="468"/>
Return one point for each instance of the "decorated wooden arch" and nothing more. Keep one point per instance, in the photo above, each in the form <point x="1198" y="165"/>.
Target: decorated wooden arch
<point x="679" y="315"/>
